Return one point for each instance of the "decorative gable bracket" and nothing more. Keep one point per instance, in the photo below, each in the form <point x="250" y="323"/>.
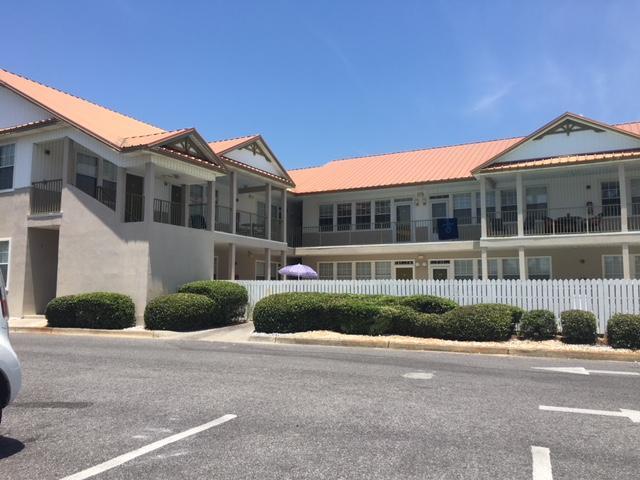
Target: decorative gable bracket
<point x="568" y="127"/>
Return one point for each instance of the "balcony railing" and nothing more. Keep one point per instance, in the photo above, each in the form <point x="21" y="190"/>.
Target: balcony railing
<point x="561" y="221"/>
<point x="223" y="219"/>
<point x="436" y="230"/>
<point x="106" y="196"/>
<point x="251" y="224"/>
<point x="198" y="215"/>
<point x="45" y="197"/>
<point x="502" y="224"/>
<point x="276" y="229"/>
<point x="134" y="207"/>
<point x="168" y="212"/>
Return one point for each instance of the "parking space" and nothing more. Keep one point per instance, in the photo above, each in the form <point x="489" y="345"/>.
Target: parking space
<point x="311" y="412"/>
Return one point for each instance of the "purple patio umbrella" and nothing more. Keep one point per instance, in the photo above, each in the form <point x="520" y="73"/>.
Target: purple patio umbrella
<point x="299" y="270"/>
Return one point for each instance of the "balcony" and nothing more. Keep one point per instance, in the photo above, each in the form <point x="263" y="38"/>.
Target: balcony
<point x="436" y="230"/>
<point x="171" y="213"/>
<point x="45" y="197"/>
<point x="133" y="208"/>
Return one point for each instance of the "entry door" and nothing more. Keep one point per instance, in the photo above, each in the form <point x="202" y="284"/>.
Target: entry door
<point x="404" y="273"/>
<point x="134" y="202"/>
<point x="439" y="209"/>
<point x="403" y="222"/>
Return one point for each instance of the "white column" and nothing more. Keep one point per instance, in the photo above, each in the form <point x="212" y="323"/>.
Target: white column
<point x="121" y="194"/>
<point x="622" y="180"/>
<point x="284" y="216"/>
<point x="283" y="260"/>
<point x="66" y="160"/>
<point x="485" y="264"/>
<point x="483" y="209"/>
<point x="626" y="264"/>
<point x="268" y="211"/>
<point x="267" y="264"/>
<point x="211" y="206"/>
<point x="149" y="190"/>
<point x="233" y="193"/>
<point x="519" y="199"/>
<point x="186" y="198"/>
<point x="232" y="261"/>
<point x="522" y="264"/>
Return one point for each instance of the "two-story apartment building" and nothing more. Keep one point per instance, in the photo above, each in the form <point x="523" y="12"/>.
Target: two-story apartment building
<point x="563" y="202"/>
<point x="92" y="200"/>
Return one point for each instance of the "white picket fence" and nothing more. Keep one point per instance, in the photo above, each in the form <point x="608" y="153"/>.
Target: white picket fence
<point x="602" y="297"/>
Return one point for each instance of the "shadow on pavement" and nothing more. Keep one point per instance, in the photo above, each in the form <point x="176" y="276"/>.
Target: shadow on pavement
<point x="9" y="446"/>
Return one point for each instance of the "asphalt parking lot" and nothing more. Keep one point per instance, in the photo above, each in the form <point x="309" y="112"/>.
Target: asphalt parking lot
<point x="130" y="409"/>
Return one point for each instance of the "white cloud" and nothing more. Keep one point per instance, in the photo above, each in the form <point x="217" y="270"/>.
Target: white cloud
<point x="491" y="99"/>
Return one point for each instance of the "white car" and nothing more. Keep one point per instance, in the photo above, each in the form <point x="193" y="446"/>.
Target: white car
<point x="10" y="373"/>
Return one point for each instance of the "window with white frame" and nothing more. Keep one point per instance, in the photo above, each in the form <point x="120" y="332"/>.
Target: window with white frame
<point x="635" y="198"/>
<point x="343" y="271"/>
<point x="462" y="208"/>
<point x="87" y="173"/>
<point x="326" y="218"/>
<point x="325" y="270"/>
<point x="610" y="199"/>
<point x="508" y="205"/>
<point x="363" y="270"/>
<point x="4" y="260"/>
<point x="7" y="159"/>
<point x="492" y="266"/>
<point x="383" y="270"/>
<point x="363" y="215"/>
<point x="490" y="204"/>
<point x="260" y="270"/>
<point x="536" y="202"/>
<point x="383" y="214"/>
<point x="463" y="269"/>
<point x="344" y="216"/>
<point x="539" y="268"/>
<point x="510" y="269"/>
<point x="612" y="266"/>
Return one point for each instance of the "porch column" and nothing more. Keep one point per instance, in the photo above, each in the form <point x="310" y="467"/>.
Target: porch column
<point x="267" y="264"/>
<point x="483" y="209"/>
<point x="232" y="261"/>
<point x="283" y="260"/>
<point x="211" y="206"/>
<point x="485" y="264"/>
<point x="519" y="200"/>
<point x="522" y="264"/>
<point x="268" y="211"/>
<point x="66" y="160"/>
<point x="233" y="193"/>
<point x="149" y="191"/>
<point x="121" y="193"/>
<point x="622" y="181"/>
<point x="626" y="264"/>
<point x="186" y="197"/>
<point x="284" y="218"/>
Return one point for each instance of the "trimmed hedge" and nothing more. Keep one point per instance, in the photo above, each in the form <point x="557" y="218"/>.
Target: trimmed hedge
<point x="101" y="310"/>
<point x="427" y="303"/>
<point x="179" y="312"/>
<point x="230" y="299"/>
<point x="538" y="325"/>
<point x="623" y="331"/>
<point x="401" y="320"/>
<point x="482" y="322"/>
<point x="578" y="326"/>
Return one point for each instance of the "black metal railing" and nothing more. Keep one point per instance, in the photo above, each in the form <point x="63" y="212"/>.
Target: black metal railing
<point x="168" y="212"/>
<point x="45" y="197"/>
<point x="573" y="220"/>
<point x="106" y="196"/>
<point x="223" y="219"/>
<point x="502" y="224"/>
<point x="276" y="229"/>
<point x="198" y="215"/>
<point x="134" y="207"/>
<point x="251" y="224"/>
<point x="435" y="230"/>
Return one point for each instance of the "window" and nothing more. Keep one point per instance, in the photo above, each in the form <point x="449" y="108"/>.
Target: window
<point x="635" y="197"/>
<point x="383" y="270"/>
<point x="539" y="268"/>
<point x="344" y="271"/>
<point x="109" y="182"/>
<point x="610" y="199"/>
<point x="344" y="216"/>
<point x="492" y="266"/>
<point x="7" y="159"/>
<point x="274" y="270"/>
<point x="383" y="214"/>
<point x="325" y="271"/>
<point x="508" y="205"/>
<point x="363" y="270"/>
<point x="612" y="266"/>
<point x="326" y="218"/>
<point x="537" y="202"/>
<point x="87" y="173"/>
<point x="4" y="260"/>
<point x="636" y="264"/>
<point x="463" y="269"/>
<point x="363" y="215"/>
<point x="491" y="205"/>
<point x="260" y="273"/>
<point x="462" y="208"/>
<point x="510" y="269"/>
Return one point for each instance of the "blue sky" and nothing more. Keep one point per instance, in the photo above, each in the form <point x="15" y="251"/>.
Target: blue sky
<point x="333" y="79"/>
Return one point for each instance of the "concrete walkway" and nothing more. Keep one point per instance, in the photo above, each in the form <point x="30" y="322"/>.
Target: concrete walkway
<point x="233" y="333"/>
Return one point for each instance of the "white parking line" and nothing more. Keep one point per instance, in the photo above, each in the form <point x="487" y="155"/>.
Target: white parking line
<point x="633" y="415"/>
<point x="114" y="462"/>
<point x="541" y="463"/>
<point x="584" y="371"/>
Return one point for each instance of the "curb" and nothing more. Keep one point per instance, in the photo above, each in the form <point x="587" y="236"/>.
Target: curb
<point x="476" y="349"/>
<point x="98" y="332"/>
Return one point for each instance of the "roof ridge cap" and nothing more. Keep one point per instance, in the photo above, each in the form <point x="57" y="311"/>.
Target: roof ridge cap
<point x="234" y="138"/>
<point x="158" y="133"/>
<point x="79" y="98"/>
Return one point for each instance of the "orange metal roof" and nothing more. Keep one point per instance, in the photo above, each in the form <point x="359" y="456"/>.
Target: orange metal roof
<point x="223" y="146"/>
<point x="432" y="165"/>
<point x="557" y="161"/>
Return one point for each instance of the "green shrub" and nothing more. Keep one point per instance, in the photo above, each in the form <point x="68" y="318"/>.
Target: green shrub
<point x="578" y="326"/>
<point x="401" y="320"/>
<point x="180" y="312"/>
<point x="623" y="331"/>
<point x="103" y="310"/>
<point x="483" y="322"/>
<point x="230" y="298"/>
<point x="516" y="316"/>
<point x="538" y="325"/>
<point x="61" y="312"/>
<point x="428" y="303"/>
<point x="294" y="312"/>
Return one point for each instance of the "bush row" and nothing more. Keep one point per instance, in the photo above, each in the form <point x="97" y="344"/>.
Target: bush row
<point x="104" y="310"/>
